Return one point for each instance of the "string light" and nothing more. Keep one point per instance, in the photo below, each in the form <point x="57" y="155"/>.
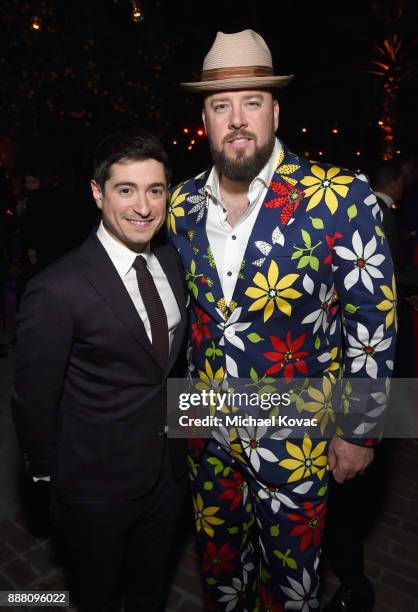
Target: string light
<point x="358" y="153"/>
<point x="186" y="130"/>
<point x="200" y="132"/>
<point x="36" y="24"/>
<point x="320" y="153"/>
<point x="390" y="65"/>
<point x="304" y="130"/>
<point x="192" y="142"/>
<point x="137" y="13"/>
<point x="174" y="142"/>
<point x="335" y="130"/>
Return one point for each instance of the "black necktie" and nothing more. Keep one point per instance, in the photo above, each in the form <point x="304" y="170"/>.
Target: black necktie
<point x="155" y="310"/>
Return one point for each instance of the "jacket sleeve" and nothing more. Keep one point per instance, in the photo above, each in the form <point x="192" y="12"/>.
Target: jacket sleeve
<point x="44" y="339"/>
<point x="364" y="280"/>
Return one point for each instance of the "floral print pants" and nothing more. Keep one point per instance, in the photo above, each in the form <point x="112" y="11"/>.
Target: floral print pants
<point x="259" y="545"/>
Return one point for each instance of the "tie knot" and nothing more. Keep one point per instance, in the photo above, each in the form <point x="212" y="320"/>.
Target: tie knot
<point x="140" y="264"/>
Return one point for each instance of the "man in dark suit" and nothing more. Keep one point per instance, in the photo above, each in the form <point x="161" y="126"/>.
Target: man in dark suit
<point x="99" y="332"/>
<point x="388" y="184"/>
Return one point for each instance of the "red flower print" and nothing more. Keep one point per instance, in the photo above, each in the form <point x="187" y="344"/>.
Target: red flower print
<point x="288" y="357"/>
<point x="267" y="602"/>
<point x="217" y="560"/>
<point x="234" y="489"/>
<point x="310" y="525"/>
<point x="199" y="329"/>
<point x="330" y="242"/>
<point x="289" y="198"/>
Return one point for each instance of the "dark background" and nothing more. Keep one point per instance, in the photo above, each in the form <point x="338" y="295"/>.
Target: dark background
<point x="90" y="69"/>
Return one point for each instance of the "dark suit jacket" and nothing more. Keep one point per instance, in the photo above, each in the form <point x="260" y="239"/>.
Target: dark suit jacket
<point x="89" y="395"/>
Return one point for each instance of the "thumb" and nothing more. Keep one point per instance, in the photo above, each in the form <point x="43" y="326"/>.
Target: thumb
<point x="332" y="459"/>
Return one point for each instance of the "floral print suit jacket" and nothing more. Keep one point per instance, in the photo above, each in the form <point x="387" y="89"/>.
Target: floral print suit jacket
<point x="315" y="295"/>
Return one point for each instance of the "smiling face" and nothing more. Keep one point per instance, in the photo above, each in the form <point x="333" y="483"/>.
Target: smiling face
<point x="241" y="127"/>
<point x="133" y="201"/>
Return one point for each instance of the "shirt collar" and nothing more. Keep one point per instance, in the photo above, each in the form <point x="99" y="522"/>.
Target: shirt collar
<point x="385" y="197"/>
<point x="264" y="177"/>
<point x="122" y="257"/>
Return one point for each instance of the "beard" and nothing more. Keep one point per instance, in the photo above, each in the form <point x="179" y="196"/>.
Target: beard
<point x="243" y="168"/>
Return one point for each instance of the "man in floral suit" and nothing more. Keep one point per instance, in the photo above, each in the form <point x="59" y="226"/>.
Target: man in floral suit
<point x="290" y="277"/>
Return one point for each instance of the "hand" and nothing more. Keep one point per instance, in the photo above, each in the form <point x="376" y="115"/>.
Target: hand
<point x="346" y="460"/>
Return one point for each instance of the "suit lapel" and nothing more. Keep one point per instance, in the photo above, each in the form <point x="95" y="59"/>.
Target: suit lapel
<point x="102" y="275"/>
<point x="282" y="201"/>
<point x="201" y="273"/>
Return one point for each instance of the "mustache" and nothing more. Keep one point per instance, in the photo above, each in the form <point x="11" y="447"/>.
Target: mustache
<point x="239" y="134"/>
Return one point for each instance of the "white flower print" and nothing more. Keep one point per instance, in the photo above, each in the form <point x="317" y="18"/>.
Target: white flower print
<point x="319" y="316"/>
<point x="365" y="262"/>
<point x="250" y="441"/>
<point x="233" y="594"/>
<point x="362" y="349"/>
<point x="200" y="202"/>
<point x="301" y="596"/>
<point x="247" y="566"/>
<point x="231" y="328"/>
<point x="371" y="200"/>
<point x="276" y="498"/>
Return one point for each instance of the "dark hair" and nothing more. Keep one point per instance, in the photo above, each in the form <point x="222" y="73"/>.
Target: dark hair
<point x="132" y="144"/>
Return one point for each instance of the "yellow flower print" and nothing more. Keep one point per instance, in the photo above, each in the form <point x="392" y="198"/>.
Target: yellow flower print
<point x="389" y="304"/>
<point x="336" y="364"/>
<point x="229" y="440"/>
<point x="211" y="380"/>
<point x="286" y="169"/>
<point x="322" y="406"/>
<point x="204" y="516"/>
<point x="327" y="183"/>
<point x="306" y="460"/>
<point x="174" y="209"/>
<point x="271" y="291"/>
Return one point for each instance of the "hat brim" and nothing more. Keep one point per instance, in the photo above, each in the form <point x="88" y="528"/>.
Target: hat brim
<point x="276" y="82"/>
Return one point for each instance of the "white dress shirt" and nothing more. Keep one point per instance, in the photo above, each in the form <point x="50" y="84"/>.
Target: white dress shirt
<point x="123" y="258"/>
<point x="228" y="243"/>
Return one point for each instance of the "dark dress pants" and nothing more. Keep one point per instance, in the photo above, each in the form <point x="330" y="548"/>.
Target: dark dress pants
<point x="121" y="551"/>
<point x="353" y="508"/>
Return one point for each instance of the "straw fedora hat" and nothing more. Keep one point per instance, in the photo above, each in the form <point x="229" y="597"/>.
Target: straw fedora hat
<point x="238" y="61"/>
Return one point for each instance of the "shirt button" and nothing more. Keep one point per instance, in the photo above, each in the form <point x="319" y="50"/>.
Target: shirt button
<point x="234" y="237"/>
<point x="229" y="332"/>
<point x="229" y="273"/>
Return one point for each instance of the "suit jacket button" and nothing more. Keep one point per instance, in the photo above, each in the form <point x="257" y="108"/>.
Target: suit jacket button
<point x="160" y="434"/>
